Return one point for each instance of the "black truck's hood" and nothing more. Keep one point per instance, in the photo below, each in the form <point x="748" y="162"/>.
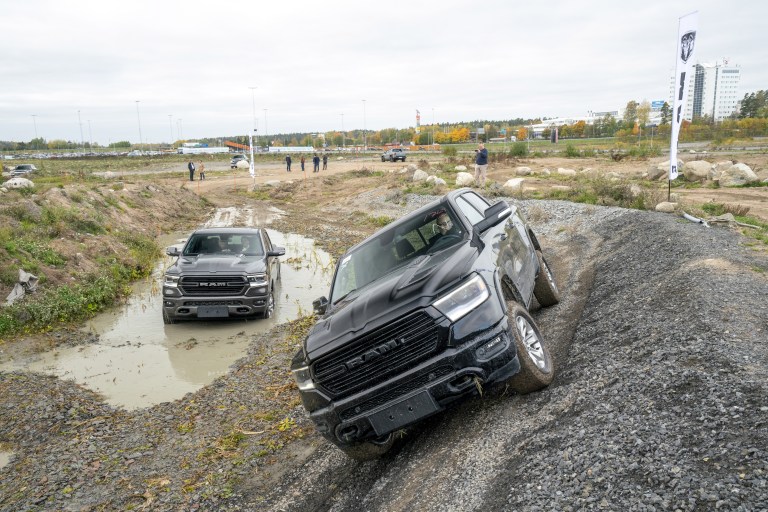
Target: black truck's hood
<point x="408" y="288"/>
<point x="217" y="263"/>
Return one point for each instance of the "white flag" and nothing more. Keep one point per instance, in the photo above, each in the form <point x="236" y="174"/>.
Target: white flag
<point x="686" y="39"/>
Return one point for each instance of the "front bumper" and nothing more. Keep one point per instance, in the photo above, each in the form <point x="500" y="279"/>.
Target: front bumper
<point x="214" y="307"/>
<point x="426" y="389"/>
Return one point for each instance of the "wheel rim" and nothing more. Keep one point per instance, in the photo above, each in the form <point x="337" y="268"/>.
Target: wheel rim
<point x="549" y="275"/>
<point x="270" y="304"/>
<point x="532" y="343"/>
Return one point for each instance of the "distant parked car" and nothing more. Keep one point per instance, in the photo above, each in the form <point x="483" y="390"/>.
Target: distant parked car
<point x="237" y="159"/>
<point x="22" y="170"/>
<point x="394" y="155"/>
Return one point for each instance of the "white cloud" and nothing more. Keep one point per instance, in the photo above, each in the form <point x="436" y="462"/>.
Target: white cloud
<point x="313" y="61"/>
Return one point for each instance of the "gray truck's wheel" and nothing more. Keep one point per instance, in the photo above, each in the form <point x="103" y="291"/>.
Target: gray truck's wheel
<point x="536" y="369"/>
<point x="167" y="320"/>
<point x="369" y="450"/>
<point x="545" y="288"/>
<point x="270" y="303"/>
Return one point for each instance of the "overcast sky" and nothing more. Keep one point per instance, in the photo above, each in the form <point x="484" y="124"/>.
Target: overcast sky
<point x="191" y="65"/>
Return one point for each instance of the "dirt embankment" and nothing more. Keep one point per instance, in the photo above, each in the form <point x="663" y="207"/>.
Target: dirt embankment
<point x="659" y="401"/>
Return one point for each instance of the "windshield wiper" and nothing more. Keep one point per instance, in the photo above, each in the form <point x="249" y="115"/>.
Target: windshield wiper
<point x="344" y="296"/>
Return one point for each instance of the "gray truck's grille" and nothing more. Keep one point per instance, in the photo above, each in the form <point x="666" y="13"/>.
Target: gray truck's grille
<point x="206" y="286"/>
<point x="376" y="356"/>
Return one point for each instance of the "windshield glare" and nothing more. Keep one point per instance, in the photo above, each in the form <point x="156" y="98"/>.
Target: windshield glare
<point x="394" y="248"/>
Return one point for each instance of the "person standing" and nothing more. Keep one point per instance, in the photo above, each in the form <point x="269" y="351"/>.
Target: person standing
<point x="325" y="161"/>
<point x="288" y="163"/>
<point x="201" y="169"/>
<point x="191" y="167"/>
<point x="481" y="164"/>
<point x="315" y="163"/>
<point x="302" y="163"/>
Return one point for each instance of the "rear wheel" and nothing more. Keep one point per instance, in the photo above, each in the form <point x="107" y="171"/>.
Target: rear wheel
<point x="369" y="450"/>
<point x="545" y="288"/>
<point x="536" y="369"/>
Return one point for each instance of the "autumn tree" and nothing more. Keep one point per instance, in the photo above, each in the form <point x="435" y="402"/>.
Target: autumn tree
<point x="522" y="133"/>
<point x="643" y="115"/>
<point x="630" y="114"/>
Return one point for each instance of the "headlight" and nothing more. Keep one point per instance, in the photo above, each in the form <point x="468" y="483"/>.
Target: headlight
<point x="171" y="280"/>
<point x="303" y="378"/>
<point x="463" y="299"/>
<point x="257" y="279"/>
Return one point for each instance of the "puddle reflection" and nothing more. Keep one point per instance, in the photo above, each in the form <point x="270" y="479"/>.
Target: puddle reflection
<point x="140" y="361"/>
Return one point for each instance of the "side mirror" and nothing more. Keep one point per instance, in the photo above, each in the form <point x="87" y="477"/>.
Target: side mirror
<point x="320" y="305"/>
<point x="172" y="251"/>
<point x="494" y="215"/>
<point x="277" y="251"/>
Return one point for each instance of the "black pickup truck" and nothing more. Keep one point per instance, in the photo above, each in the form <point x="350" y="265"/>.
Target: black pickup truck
<point x="424" y="312"/>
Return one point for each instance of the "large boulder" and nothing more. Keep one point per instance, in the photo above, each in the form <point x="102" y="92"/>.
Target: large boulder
<point x="565" y="172"/>
<point x="666" y="207"/>
<point x="697" y="170"/>
<point x="464" y="179"/>
<point x="420" y="175"/>
<point x="660" y="170"/>
<point x="514" y="184"/>
<point x="243" y="164"/>
<point x="523" y="171"/>
<point x="737" y="174"/>
<point x="19" y="183"/>
<point x="460" y="168"/>
<point x="440" y="182"/>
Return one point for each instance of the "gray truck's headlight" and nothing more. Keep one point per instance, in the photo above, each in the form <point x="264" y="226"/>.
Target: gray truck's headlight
<point x="463" y="299"/>
<point x="257" y="279"/>
<point x="303" y="378"/>
<point x="171" y="280"/>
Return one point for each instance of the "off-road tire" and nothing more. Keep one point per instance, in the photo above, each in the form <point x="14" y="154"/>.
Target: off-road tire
<point x="167" y="320"/>
<point x="369" y="450"/>
<point x="270" y="310"/>
<point x="545" y="289"/>
<point x="530" y="351"/>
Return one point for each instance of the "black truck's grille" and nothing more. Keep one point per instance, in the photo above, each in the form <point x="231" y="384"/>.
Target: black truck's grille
<point x="206" y="286"/>
<point x="374" y="357"/>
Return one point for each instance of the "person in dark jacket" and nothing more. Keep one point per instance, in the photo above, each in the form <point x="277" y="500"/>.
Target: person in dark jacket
<point x="325" y="161"/>
<point x="288" y="163"/>
<point x="316" y="163"/>
<point x="481" y="164"/>
<point x="191" y="167"/>
<point x="302" y="163"/>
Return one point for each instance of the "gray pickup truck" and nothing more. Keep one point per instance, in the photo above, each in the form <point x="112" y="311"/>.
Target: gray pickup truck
<point x="222" y="273"/>
<point x="425" y="312"/>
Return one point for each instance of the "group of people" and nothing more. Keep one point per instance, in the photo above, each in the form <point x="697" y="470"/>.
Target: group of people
<point x="315" y="162"/>
<point x="199" y="167"/>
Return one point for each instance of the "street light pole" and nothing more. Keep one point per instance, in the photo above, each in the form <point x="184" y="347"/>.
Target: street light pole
<point x="365" y="130"/>
<point x="266" y="128"/>
<point x="34" y="121"/>
<point x="141" y="142"/>
<point x="80" y="124"/>
<point x="170" y="123"/>
<point x="433" y="126"/>
<point x="90" y="137"/>
<point x="343" y="135"/>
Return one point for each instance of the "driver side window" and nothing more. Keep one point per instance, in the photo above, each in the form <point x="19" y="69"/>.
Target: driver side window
<point x="468" y="210"/>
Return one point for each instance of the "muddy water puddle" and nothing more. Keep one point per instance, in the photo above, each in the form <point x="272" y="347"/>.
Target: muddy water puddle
<point x="139" y="361"/>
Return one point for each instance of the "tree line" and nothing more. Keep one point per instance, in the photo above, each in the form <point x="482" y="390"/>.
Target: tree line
<point x="751" y="120"/>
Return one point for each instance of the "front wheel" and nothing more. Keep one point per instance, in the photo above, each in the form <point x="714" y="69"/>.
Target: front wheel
<point x="167" y="320"/>
<point x="270" y="310"/>
<point x="369" y="450"/>
<point x="536" y="368"/>
<point x="545" y="289"/>
<point x="403" y="159"/>
<point x="383" y="159"/>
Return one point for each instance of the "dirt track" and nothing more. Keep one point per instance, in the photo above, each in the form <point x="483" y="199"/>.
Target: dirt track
<point x="659" y="401"/>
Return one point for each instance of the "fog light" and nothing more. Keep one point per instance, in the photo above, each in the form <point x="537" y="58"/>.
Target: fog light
<point x="491" y="348"/>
